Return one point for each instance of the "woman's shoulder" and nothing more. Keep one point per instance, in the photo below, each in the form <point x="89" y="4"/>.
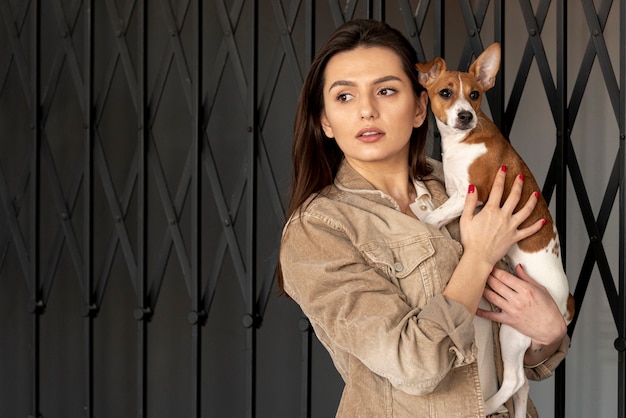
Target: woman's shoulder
<point x="317" y="205"/>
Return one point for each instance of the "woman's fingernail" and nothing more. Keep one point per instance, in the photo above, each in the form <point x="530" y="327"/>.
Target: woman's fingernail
<point x="536" y="195"/>
<point x="543" y="222"/>
<point x="521" y="177"/>
<point x="471" y="189"/>
<point x="503" y="168"/>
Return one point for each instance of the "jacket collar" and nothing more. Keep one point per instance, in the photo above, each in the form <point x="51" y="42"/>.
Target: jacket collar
<point x="348" y="179"/>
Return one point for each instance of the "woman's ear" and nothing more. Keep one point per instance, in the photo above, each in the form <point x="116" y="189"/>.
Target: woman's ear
<point x="328" y="130"/>
<point x="421" y="109"/>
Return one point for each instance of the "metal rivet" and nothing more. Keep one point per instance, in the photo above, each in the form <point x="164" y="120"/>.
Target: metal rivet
<point x="304" y="324"/>
<point x="250" y="321"/>
<point x="36" y="307"/>
<point x="398" y="266"/>
<point x="89" y="310"/>
<point x="196" y="317"/>
<point x="142" y="313"/>
<point x="532" y="32"/>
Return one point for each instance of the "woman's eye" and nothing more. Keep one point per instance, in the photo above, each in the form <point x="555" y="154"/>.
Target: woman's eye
<point x="344" y="97"/>
<point x="386" y="91"/>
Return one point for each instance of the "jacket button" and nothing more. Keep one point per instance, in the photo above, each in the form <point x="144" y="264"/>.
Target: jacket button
<point x="398" y="266"/>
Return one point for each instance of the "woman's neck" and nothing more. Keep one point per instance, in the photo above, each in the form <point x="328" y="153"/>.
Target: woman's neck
<point x="393" y="180"/>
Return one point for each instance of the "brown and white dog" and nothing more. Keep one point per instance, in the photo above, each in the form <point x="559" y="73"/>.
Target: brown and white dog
<point x="472" y="151"/>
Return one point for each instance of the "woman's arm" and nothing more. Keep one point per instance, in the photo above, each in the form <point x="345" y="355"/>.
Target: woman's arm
<point x="356" y="309"/>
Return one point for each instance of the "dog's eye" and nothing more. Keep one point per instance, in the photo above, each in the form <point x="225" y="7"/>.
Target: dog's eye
<point x="445" y="93"/>
<point x="474" y="95"/>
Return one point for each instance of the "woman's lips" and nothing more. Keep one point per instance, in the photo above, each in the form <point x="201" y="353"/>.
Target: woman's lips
<point x="369" y="135"/>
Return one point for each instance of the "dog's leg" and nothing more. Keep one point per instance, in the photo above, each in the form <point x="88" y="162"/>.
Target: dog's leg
<point x="513" y="346"/>
<point x="449" y="210"/>
<point x="520" y="400"/>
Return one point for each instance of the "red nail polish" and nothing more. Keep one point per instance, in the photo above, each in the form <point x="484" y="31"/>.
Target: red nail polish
<point x="503" y="168"/>
<point x="543" y="222"/>
<point x="521" y="177"/>
<point x="536" y="195"/>
<point x="471" y="189"/>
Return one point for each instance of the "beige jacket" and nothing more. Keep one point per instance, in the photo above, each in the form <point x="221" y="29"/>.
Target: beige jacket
<point x="370" y="278"/>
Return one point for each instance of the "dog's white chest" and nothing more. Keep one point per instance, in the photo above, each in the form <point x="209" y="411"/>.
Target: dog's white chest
<point x="456" y="160"/>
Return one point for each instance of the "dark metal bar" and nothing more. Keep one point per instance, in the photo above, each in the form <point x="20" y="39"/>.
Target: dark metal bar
<point x="197" y="315"/>
<point x="251" y="319"/>
<point x="379" y="10"/>
<point x="439" y="51"/>
<point x="89" y="308"/>
<point x="307" y="355"/>
<point x="309" y="34"/>
<point x="534" y="30"/>
<point x="306" y="362"/>
<point x="439" y="26"/>
<point x="369" y="9"/>
<point x="563" y="136"/>
<point x="143" y="311"/>
<point x="620" y="342"/>
<point x="584" y="276"/>
<point x="498" y="94"/>
<point x="36" y="305"/>
<point x="524" y="67"/>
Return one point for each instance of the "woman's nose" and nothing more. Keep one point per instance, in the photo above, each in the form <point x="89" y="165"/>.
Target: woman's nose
<point x="368" y="108"/>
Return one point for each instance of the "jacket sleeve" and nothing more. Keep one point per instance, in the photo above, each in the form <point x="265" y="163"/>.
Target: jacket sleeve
<point x="356" y="310"/>
<point x="547" y="367"/>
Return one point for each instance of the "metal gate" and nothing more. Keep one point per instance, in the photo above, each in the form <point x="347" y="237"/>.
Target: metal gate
<point x="144" y="166"/>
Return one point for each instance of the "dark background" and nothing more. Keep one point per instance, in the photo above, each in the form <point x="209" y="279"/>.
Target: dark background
<point x="144" y="167"/>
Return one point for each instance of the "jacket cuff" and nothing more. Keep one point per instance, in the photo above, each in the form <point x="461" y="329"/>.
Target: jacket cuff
<point x="546" y="368"/>
<point x="452" y="318"/>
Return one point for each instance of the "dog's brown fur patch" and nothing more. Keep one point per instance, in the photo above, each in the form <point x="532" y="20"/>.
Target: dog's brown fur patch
<point x="482" y="173"/>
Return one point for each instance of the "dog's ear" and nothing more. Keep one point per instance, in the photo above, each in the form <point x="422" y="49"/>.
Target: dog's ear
<point x="429" y="71"/>
<point x="486" y="66"/>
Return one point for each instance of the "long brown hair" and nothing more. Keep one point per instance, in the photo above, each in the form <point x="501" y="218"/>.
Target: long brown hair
<point x="315" y="158"/>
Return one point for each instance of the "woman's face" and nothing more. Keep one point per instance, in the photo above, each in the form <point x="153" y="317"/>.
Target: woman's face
<point x="370" y="108"/>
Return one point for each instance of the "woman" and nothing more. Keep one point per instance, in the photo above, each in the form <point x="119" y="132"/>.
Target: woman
<point x="394" y="300"/>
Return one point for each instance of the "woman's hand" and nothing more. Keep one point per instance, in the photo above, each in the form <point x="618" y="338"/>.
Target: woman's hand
<point x="490" y="233"/>
<point x="528" y="307"/>
<point x="486" y="237"/>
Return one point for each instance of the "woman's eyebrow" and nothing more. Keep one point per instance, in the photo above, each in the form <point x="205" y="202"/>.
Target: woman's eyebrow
<point x="353" y="84"/>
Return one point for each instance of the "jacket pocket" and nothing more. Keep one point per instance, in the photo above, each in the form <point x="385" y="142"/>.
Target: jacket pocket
<point x="420" y="266"/>
<point x="399" y="258"/>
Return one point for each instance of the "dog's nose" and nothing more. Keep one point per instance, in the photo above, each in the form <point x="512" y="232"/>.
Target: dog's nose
<point x="465" y="116"/>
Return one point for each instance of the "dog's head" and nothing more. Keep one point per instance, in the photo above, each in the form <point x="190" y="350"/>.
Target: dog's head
<point x="456" y="97"/>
